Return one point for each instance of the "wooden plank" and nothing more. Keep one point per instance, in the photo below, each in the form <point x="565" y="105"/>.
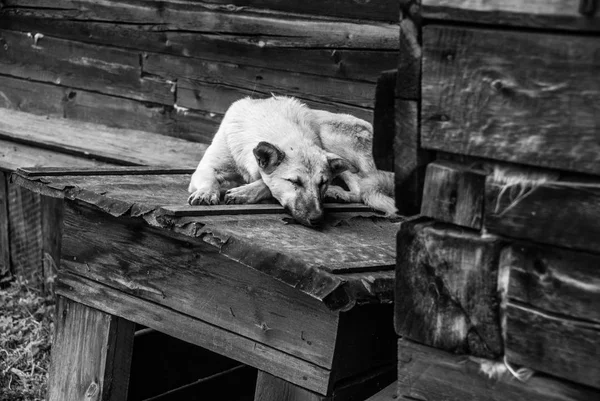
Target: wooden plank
<point x="46" y="59"/>
<point x="273" y="388"/>
<point x="554" y="344"/>
<point x="216" y="98"/>
<point x="454" y="193"/>
<point x="384" y="10"/>
<point x="384" y="121"/>
<point x="353" y="64"/>
<point x="201" y="210"/>
<point x="261" y="80"/>
<point x="554" y="279"/>
<point x="172" y="271"/>
<point x="58" y="101"/>
<point x="446" y="288"/>
<point x="512" y="96"/>
<point x="430" y="374"/>
<point x="91" y="354"/>
<point x="31" y="172"/>
<point x="184" y="327"/>
<point x="408" y="87"/>
<point x="554" y="14"/>
<point x="410" y="160"/>
<point x="117" y="146"/>
<point x="5" y="267"/>
<point x="542" y="208"/>
<point x="52" y="231"/>
<point x="249" y="24"/>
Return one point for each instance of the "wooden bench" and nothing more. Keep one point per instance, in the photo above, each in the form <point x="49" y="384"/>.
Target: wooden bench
<point x="311" y="309"/>
<point x="31" y="140"/>
<point x="499" y="114"/>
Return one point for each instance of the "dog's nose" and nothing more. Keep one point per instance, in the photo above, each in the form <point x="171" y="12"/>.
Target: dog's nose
<point x="315" y="219"/>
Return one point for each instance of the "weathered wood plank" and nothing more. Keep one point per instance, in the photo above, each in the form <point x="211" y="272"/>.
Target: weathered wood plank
<point x="5" y="270"/>
<point x="553" y="14"/>
<point x="252" y="25"/>
<point x="553" y="344"/>
<point x="542" y="208"/>
<point x="58" y="101"/>
<point x="408" y="86"/>
<point x="272" y="388"/>
<point x="410" y="160"/>
<point x="31" y="172"/>
<point x="91" y="354"/>
<point x="384" y="121"/>
<point x="168" y="271"/>
<point x="216" y="98"/>
<point x="261" y="80"/>
<point x="195" y="331"/>
<point x="430" y="374"/>
<point x="446" y="288"/>
<point x="454" y="193"/>
<point x="115" y="71"/>
<point x="554" y="279"/>
<point x="52" y="211"/>
<point x="115" y="146"/>
<point x="382" y="10"/>
<point x="521" y="97"/>
<point x="201" y="210"/>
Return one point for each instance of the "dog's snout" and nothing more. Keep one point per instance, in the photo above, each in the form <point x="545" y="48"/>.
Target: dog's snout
<point x="315" y="218"/>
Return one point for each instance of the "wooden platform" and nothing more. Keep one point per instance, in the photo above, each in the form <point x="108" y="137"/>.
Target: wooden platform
<point x="308" y="308"/>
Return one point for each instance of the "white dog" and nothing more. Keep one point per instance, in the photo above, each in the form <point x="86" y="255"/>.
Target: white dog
<point x="278" y="147"/>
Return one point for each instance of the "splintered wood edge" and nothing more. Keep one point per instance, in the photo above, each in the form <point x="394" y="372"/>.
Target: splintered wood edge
<point x="125" y="170"/>
<point x="220" y="210"/>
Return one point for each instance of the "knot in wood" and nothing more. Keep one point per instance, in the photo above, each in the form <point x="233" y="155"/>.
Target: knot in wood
<point x="92" y="390"/>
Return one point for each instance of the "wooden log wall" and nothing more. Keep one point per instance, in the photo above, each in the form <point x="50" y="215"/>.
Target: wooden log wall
<point x="498" y="278"/>
<point x="174" y="67"/>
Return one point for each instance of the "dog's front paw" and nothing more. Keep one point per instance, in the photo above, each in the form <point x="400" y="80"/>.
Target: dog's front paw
<point x="239" y="195"/>
<point x="336" y="193"/>
<point x="203" y="197"/>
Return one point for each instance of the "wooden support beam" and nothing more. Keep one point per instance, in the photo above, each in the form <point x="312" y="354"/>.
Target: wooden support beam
<point x="384" y="121"/>
<point x="446" y="288"/>
<point x="91" y="354"/>
<point x="5" y="269"/>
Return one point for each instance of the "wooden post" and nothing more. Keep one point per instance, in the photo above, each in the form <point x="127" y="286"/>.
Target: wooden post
<point x="4" y="234"/>
<point x="91" y="354"/>
<point x="272" y="388"/>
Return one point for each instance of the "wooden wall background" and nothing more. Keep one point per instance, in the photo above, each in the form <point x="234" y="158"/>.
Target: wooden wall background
<point x="173" y="67"/>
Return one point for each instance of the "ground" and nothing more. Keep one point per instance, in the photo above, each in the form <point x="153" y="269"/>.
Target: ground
<point x="26" y="328"/>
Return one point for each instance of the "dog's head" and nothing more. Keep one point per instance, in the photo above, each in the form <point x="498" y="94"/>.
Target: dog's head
<point x="298" y="177"/>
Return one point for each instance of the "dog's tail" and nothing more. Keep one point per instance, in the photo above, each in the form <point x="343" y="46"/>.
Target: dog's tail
<point x="377" y="192"/>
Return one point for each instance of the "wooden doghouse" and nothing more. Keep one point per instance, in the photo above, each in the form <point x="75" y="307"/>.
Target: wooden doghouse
<point x="499" y="150"/>
<point x="131" y="82"/>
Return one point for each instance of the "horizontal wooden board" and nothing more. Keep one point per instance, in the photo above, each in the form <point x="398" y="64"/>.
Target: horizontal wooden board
<point x="542" y="208"/>
<point x="112" y="170"/>
<point x="544" y="14"/>
<point x="261" y="80"/>
<point x="454" y="193"/>
<point x="117" y="146"/>
<point x="429" y="374"/>
<point x="254" y="25"/>
<point x="554" y="279"/>
<point x="554" y="344"/>
<point x="382" y="10"/>
<point x="354" y="64"/>
<point x="275" y="208"/>
<point x="102" y="69"/>
<point x="446" y="288"/>
<point x="172" y="271"/>
<point x="58" y="101"/>
<point x="194" y="331"/>
<point x="530" y="98"/>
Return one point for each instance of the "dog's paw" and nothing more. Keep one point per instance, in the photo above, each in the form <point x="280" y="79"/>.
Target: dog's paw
<point x="336" y="193"/>
<point x="240" y="195"/>
<point x="203" y="197"/>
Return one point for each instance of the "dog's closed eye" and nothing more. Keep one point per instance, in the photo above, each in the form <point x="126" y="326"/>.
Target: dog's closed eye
<point x="295" y="181"/>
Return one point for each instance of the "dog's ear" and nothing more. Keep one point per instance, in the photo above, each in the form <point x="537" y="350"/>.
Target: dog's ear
<point x="339" y="165"/>
<point x="268" y="156"/>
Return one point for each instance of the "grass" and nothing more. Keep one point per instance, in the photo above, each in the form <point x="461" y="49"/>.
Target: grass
<point x="26" y="328"/>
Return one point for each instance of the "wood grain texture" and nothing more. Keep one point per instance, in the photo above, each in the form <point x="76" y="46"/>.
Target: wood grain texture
<point x="554" y="279"/>
<point x="86" y="140"/>
<point x="91" y="354"/>
<point x="117" y="112"/>
<point x="5" y="270"/>
<point x="454" y="193"/>
<point x="529" y="98"/>
<point x="195" y="331"/>
<point x="69" y="63"/>
<point x="272" y="388"/>
<point x="446" y="288"/>
<point x="408" y="86"/>
<point x="128" y="255"/>
<point x="384" y="121"/>
<point x="430" y="374"/>
<point x="554" y="344"/>
<point x="543" y="208"/>
<point x="554" y="14"/>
